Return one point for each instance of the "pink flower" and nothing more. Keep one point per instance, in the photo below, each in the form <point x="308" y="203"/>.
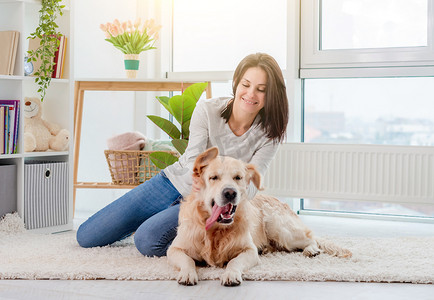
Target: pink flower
<point x="151" y="23"/>
<point x="137" y="23"/>
<point x="126" y="29"/>
<point x="154" y="30"/>
<point x="113" y="30"/>
<point x="117" y="23"/>
<point x="145" y="26"/>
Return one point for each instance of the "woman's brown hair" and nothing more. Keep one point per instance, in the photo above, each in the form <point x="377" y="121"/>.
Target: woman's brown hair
<point x="274" y="114"/>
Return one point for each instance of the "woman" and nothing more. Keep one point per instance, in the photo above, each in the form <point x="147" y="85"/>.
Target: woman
<point x="248" y="127"/>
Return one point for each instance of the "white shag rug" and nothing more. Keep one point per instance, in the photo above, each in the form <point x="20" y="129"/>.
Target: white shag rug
<point x="26" y="255"/>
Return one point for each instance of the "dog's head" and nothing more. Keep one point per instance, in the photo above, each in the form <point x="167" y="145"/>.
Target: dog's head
<point x="224" y="182"/>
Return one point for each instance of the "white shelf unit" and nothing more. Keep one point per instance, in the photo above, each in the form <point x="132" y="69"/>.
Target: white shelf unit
<point x="22" y="16"/>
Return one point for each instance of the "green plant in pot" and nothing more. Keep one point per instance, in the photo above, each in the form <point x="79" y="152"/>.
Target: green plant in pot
<point x="47" y="31"/>
<point x="181" y="107"/>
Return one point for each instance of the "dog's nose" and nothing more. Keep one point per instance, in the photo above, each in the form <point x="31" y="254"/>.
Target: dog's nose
<point x="229" y="194"/>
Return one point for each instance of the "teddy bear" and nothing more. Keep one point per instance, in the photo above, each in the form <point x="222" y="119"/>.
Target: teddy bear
<point x="39" y="134"/>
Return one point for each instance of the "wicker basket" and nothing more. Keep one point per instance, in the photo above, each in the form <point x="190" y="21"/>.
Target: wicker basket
<point x="131" y="167"/>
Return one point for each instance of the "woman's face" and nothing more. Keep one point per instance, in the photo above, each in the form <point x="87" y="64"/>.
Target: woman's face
<point x="250" y="92"/>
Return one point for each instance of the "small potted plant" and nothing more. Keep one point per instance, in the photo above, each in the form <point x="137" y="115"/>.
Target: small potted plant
<point x="181" y="107"/>
<point x="131" y="39"/>
<point x="47" y="32"/>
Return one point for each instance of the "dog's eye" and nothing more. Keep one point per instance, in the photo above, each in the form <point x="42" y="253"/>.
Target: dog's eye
<point x="215" y="177"/>
<point x="238" y="177"/>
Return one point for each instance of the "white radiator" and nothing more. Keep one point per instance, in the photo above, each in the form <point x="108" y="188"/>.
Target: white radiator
<point x="45" y="194"/>
<point x="399" y="174"/>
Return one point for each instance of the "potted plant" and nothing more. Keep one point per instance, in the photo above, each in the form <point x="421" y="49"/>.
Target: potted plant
<point x="47" y="31"/>
<point x="181" y="107"/>
<point x="131" y="39"/>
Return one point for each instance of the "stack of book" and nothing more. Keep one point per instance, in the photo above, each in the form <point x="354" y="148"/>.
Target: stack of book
<point x="8" y="51"/>
<point x="9" y="120"/>
<point x="59" y="58"/>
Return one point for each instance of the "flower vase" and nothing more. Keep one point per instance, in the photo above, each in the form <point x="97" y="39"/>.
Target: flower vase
<point x="131" y="65"/>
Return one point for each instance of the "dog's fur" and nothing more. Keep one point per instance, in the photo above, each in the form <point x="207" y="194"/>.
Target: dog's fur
<point x="262" y="224"/>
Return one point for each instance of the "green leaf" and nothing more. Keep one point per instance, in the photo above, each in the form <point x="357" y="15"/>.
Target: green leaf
<point x="182" y="107"/>
<point x="162" y="159"/>
<point x="165" y="102"/>
<point x="185" y="130"/>
<point x="167" y="126"/>
<point x="195" y="90"/>
<point x="180" y="145"/>
<point x="47" y="31"/>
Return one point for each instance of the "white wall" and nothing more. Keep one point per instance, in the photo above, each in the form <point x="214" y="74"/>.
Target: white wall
<point x="105" y="113"/>
<point x="95" y="57"/>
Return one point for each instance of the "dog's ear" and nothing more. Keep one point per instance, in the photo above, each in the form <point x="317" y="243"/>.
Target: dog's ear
<point x="203" y="160"/>
<point x="254" y="176"/>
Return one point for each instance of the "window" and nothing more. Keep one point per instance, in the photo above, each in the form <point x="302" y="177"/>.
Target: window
<point x="368" y="69"/>
<point x="216" y="35"/>
<point x="366" y="33"/>
<point x="352" y="24"/>
<point x="390" y="111"/>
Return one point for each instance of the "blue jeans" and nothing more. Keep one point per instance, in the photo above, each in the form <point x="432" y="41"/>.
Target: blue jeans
<point x="151" y="210"/>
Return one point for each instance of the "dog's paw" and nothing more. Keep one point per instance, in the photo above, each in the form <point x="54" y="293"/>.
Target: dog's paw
<point x="231" y="278"/>
<point x="187" y="277"/>
<point x="311" y="251"/>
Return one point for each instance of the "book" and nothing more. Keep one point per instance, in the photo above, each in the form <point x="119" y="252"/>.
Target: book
<point x="11" y="129"/>
<point x="8" y="51"/>
<point x="56" y="63"/>
<point x="6" y="129"/>
<point x="8" y="124"/>
<point x="2" y="129"/>
<point x="60" y="59"/>
<point x="63" y="58"/>
<point x="11" y="125"/>
<point x="34" y="44"/>
<point x="17" y="127"/>
<point x="14" y="52"/>
<point x="56" y="66"/>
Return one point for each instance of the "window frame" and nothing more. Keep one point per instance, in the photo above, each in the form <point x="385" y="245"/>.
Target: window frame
<point x="290" y="71"/>
<point x="227" y="75"/>
<point x="300" y="65"/>
<point x="366" y="62"/>
<point x="357" y="63"/>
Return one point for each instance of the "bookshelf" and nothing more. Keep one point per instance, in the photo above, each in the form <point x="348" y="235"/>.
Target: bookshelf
<point x="22" y="16"/>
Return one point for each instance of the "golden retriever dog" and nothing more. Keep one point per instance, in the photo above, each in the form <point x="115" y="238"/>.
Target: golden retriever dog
<point x="219" y="225"/>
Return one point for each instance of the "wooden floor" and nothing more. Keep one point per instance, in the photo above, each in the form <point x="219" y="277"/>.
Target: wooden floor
<point x="106" y="289"/>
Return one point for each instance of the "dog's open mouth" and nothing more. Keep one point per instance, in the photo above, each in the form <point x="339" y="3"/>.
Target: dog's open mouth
<point x="221" y="214"/>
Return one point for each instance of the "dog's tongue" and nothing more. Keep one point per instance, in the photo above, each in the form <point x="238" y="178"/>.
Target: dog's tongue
<point x="216" y="212"/>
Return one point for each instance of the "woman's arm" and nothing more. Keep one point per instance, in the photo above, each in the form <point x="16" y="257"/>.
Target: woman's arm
<point x="199" y="135"/>
<point x="262" y="159"/>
